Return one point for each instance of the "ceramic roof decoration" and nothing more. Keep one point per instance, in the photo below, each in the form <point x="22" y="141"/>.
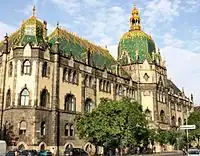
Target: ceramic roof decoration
<point x="34" y="32"/>
<point x="135" y="41"/>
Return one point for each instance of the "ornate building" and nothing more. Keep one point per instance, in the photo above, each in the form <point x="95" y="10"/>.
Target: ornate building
<point x="46" y="80"/>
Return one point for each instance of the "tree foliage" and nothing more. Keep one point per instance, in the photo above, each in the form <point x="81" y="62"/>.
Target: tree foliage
<point x="194" y="119"/>
<point x="114" y="124"/>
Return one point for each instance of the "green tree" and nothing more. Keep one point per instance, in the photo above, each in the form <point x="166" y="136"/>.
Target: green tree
<point x="172" y="136"/>
<point x="162" y="137"/>
<point x="114" y="124"/>
<point x="194" y="119"/>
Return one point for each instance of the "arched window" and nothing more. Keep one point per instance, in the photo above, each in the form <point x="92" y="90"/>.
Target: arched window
<point x="148" y="114"/>
<point x="74" y="80"/>
<point x="69" y="75"/>
<point x="43" y="128"/>
<point x="104" y="85"/>
<point x="179" y="121"/>
<point x="22" y="128"/>
<point x="162" y="116"/>
<point x="44" y="69"/>
<point x="44" y="98"/>
<point x="101" y="85"/>
<point x="27" y="67"/>
<point x="90" y="81"/>
<point x="108" y="87"/>
<point x="70" y="102"/>
<point x="173" y="120"/>
<point x="117" y="89"/>
<point x="88" y="105"/>
<point x="24" y="97"/>
<point x="64" y="74"/>
<point x="67" y="129"/>
<point x="71" y="130"/>
<point x="10" y="69"/>
<point x="8" y="98"/>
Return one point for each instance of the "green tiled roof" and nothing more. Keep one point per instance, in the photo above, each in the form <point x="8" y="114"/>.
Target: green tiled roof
<point x="21" y="38"/>
<point x="78" y="47"/>
<point x="136" y="40"/>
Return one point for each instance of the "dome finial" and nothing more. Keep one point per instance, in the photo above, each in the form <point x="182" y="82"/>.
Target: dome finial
<point x="135" y="19"/>
<point x="33" y="11"/>
<point x="134" y="5"/>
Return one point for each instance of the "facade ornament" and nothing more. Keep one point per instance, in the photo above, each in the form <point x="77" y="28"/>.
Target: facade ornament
<point x="192" y="97"/>
<point x="164" y="62"/>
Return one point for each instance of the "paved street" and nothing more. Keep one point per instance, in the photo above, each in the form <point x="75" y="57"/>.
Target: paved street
<point x="162" y="154"/>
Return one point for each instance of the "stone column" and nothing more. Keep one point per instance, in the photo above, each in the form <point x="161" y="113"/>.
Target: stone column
<point x="4" y="66"/>
<point x="54" y="121"/>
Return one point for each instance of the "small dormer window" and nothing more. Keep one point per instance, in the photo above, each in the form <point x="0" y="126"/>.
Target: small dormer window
<point x="30" y="30"/>
<point x="26" y="68"/>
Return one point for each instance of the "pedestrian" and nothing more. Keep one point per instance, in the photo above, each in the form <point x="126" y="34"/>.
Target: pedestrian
<point x="16" y="153"/>
<point x="90" y="152"/>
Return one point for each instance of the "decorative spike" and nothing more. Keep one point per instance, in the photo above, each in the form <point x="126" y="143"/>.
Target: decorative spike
<point x="183" y="90"/>
<point x="33" y="11"/>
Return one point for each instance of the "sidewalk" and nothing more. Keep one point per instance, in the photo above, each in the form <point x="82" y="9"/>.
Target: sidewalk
<point x="178" y="153"/>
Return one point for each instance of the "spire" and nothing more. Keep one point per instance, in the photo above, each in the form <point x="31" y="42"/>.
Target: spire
<point x="33" y="11"/>
<point x="57" y="24"/>
<point x="135" y="19"/>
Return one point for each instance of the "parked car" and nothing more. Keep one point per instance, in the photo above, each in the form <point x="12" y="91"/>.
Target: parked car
<point x="75" y="152"/>
<point x="28" y="153"/>
<point x="193" y="152"/>
<point x="10" y="153"/>
<point x="45" y="153"/>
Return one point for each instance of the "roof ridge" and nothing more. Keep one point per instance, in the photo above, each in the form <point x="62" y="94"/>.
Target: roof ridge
<point x="84" y="41"/>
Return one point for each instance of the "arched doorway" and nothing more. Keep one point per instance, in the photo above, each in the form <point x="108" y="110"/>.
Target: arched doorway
<point x="88" y="147"/>
<point x="42" y="147"/>
<point x="21" y="147"/>
<point x="68" y="146"/>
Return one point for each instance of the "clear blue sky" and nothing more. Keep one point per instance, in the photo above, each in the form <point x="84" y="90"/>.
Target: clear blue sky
<point x="173" y="24"/>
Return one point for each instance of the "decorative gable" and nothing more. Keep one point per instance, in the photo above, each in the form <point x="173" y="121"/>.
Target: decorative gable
<point x="27" y="51"/>
<point x="105" y="74"/>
